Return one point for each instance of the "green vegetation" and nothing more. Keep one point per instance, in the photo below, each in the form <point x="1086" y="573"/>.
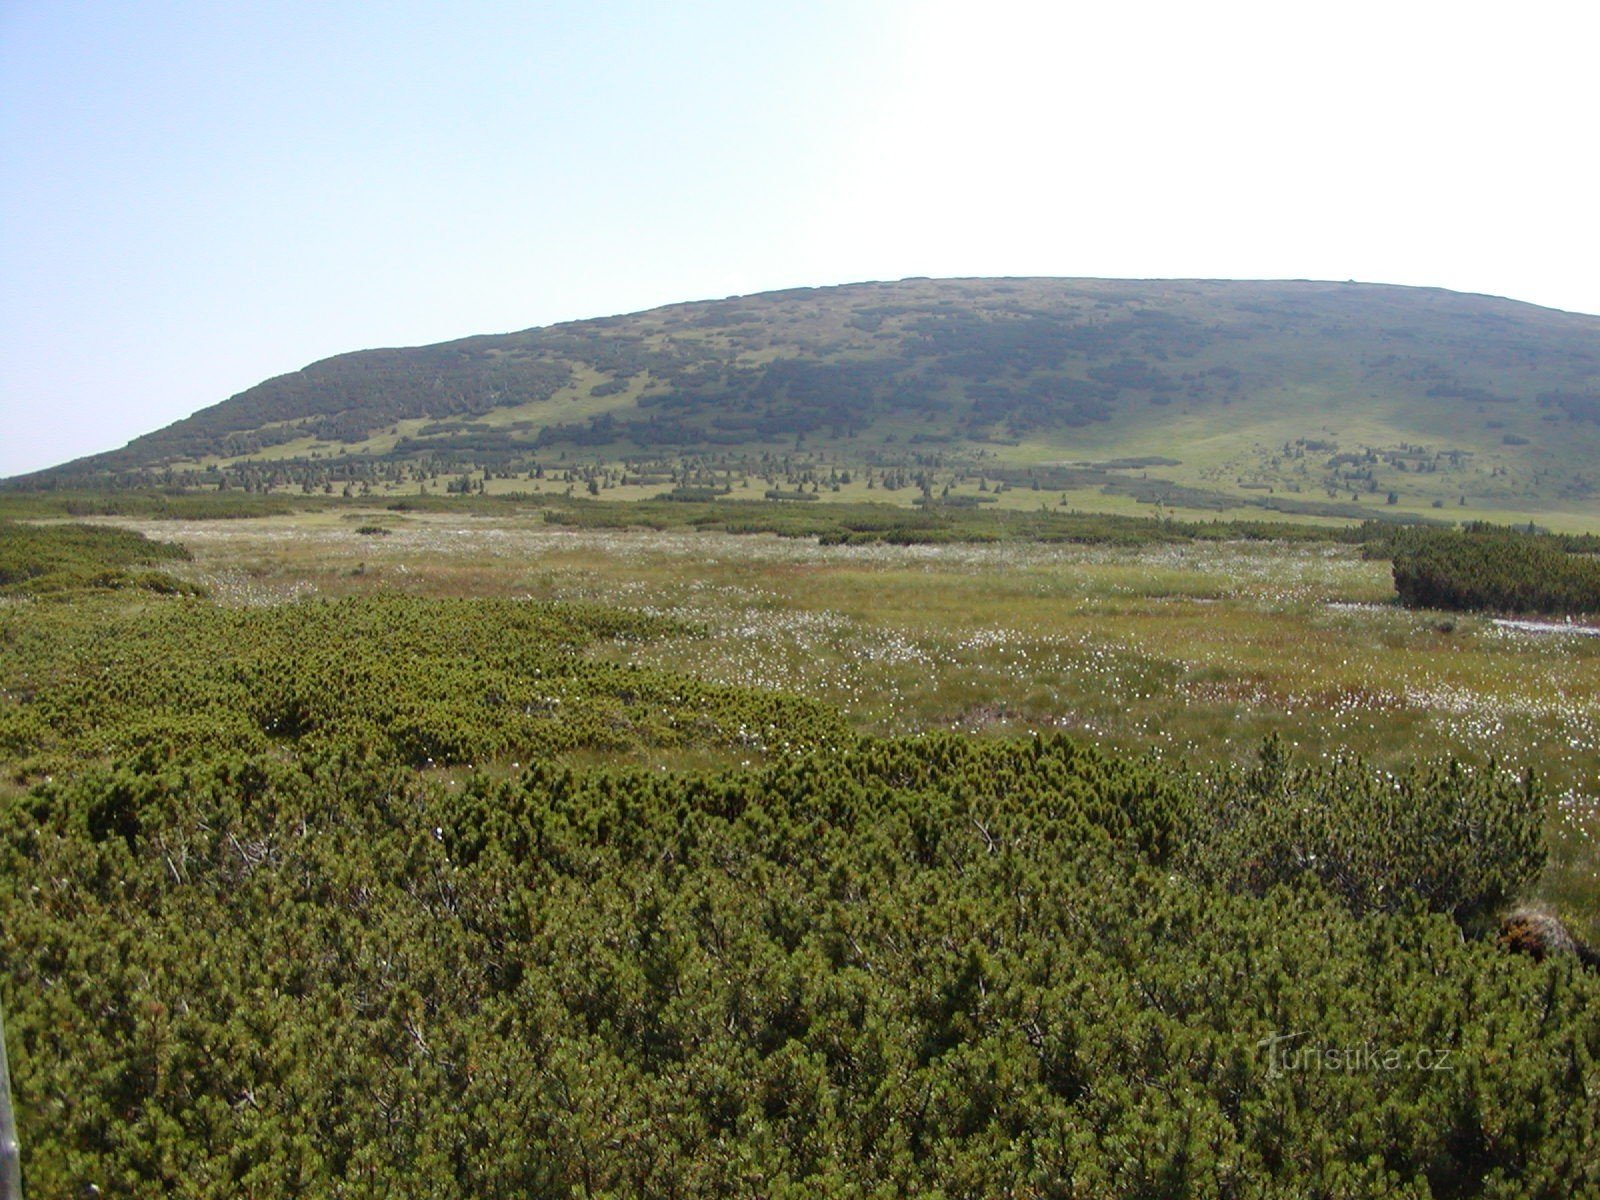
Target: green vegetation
<point x="1441" y="839"/>
<point x="422" y="682"/>
<point x="1499" y="570"/>
<point x="1302" y="399"/>
<point x="151" y="503"/>
<point x="868" y="524"/>
<point x="904" y="967"/>
<point x="585" y="849"/>
<point x="42" y="559"/>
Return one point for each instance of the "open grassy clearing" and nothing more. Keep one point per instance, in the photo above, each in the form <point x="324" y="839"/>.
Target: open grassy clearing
<point x="1192" y="652"/>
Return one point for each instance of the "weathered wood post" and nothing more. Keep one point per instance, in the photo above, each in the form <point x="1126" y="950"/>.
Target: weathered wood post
<point x="10" y="1154"/>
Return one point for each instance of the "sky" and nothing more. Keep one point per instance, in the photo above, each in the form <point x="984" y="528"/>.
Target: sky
<point x="198" y="196"/>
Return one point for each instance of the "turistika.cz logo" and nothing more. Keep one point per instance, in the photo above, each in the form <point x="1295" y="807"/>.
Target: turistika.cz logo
<point x="1285" y="1052"/>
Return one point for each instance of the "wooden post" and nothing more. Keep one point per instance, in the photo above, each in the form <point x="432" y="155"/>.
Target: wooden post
<point x="10" y="1154"/>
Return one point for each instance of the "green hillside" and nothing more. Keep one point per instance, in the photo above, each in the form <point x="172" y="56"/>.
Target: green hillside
<point x="1308" y="398"/>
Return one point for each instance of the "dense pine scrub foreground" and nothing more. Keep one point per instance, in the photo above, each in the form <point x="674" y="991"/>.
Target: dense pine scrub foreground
<point x="265" y="932"/>
<point x="912" y="967"/>
<point x="937" y="964"/>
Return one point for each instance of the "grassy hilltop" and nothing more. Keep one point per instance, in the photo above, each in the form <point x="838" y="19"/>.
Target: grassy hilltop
<point x="1312" y="399"/>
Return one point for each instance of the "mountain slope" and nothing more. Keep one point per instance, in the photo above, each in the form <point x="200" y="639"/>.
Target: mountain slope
<point x="1322" y="390"/>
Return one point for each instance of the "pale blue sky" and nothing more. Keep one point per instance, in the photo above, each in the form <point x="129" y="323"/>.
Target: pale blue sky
<point x="195" y="196"/>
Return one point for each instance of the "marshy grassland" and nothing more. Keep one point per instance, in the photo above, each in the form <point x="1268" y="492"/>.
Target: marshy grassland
<point x="1191" y="652"/>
